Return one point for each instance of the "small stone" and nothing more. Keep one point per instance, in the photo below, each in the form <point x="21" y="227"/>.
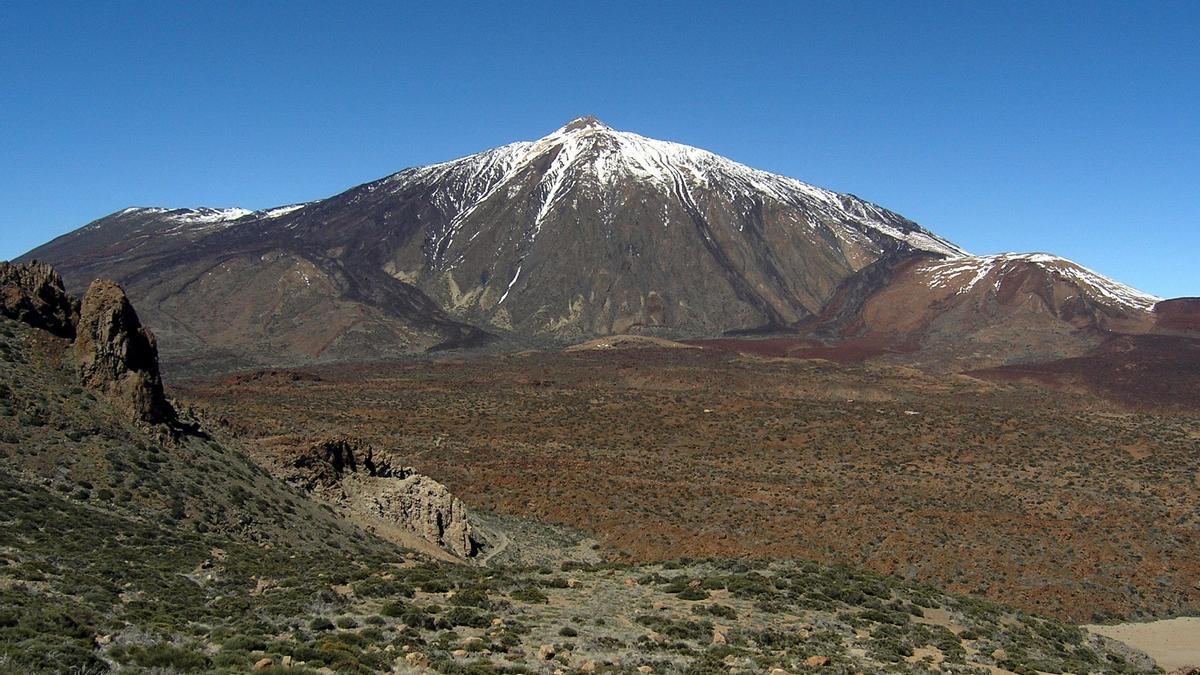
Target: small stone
<point x="263" y="664"/>
<point x="546" y="652"/>
<point x="497" y="621"/>
<point x="416" y="659"/>
<point x="1000" y="655"/>
<point x="718" y="637"/>
<point x="631" y="582"/>
<point x="287" y="661"/>
<point x="645" y="669"/>
<point x="778" y="671"/>
<point x="588" y="666"/>
<point x="573" y="583"/>
<point x="459" y="653"/>
<point x="816" y="661"/>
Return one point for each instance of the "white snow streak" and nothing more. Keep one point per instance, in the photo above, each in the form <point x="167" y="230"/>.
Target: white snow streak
<point x="953" y="272"/>
<point x="510" y="285"/>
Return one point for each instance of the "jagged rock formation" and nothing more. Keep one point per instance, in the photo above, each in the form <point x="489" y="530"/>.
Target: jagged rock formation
<point x="117" y="355"/>
<point x="347" y="471"/>
<point x="114" y="353"/>
<point x="34" y="294"/>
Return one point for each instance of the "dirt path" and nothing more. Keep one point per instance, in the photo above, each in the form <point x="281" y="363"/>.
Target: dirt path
<point x="1172" y="643"/>
<point x="504" y="541"/>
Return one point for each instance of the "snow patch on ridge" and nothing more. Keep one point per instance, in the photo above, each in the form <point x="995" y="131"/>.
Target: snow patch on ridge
<point x="280" y="211"/>
<point x="953" y="273"/>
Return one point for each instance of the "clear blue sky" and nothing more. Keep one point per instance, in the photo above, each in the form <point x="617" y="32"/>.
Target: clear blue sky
<point x="1072" y="128"/>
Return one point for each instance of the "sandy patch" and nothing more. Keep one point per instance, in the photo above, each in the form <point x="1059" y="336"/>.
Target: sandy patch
<point x="628" y="342"/>
<point x="1172" y="643"/>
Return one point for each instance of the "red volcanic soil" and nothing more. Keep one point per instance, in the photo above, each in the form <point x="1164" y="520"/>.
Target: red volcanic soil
<point x="1154" y="372"/>
<point x="1178" y="314"/>
<point x="1051" y="501"/>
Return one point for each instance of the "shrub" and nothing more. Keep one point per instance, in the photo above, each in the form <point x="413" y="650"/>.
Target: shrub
<point x="530" y="596"/>
<point x="165" y="655"/>
<point x="393" y="609"/>
<point x="471" y="597"/>
<point x="466" y="616"/>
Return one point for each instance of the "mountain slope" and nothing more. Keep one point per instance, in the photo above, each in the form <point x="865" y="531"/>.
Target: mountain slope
<point x="982" y="311"/>
<point x="586" y="232"/>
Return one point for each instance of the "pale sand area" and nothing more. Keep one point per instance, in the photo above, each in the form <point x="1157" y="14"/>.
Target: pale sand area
<point x="1172" y="643"/>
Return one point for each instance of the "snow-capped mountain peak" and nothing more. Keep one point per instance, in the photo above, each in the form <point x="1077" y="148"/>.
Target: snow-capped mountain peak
<point x="586" y="156"/>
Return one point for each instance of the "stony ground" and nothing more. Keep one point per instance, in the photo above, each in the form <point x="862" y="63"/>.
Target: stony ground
<point x="1054" y="502"/>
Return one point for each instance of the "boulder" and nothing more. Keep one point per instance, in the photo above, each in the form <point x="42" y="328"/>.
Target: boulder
<point x="117" y="356"/>
<point x="34" y="294"/>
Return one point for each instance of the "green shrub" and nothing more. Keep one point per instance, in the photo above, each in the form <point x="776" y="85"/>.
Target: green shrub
<point x="466" y="616"/>
<point x="471" y="597"/>
<point x="168" y="656"/>
<point x="531" y="596"/>
<point x="393" y="609"/>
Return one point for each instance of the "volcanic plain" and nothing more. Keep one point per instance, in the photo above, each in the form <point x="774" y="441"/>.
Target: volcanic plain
<point x="1051" y="500"/>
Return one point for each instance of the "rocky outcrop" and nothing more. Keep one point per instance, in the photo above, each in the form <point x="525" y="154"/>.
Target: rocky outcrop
<point x="424" y="506"/>
<point x="117" y="356"/>
<point x="348" y="472"/>
<point x="325" y="464"/>
<point x="34" y="294"/>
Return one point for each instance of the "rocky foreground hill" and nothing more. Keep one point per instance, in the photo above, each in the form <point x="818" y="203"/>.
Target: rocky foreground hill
<point x="586" y="232"/>
<point x="134" y="541"/>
